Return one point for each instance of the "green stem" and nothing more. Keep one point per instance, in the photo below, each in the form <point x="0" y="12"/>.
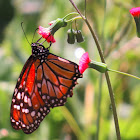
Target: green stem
<point x="99" y="106"/>
<point x="73" y="13"/>
<point x="106" y="73"/>
<point x="124" y="73"/>
<point x="75" y="18"/>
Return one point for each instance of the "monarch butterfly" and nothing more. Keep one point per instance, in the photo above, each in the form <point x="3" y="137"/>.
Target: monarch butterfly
<point x="46" y="81"/>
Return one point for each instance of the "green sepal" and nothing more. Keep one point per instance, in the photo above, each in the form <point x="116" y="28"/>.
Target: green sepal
<point x="101" y="67"/>
<point x="137" y="21"/>
<point x="57" y="24"/>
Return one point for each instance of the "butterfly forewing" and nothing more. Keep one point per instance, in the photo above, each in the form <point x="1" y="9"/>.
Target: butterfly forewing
<point x="27" y="108"/>
<point x="16" y="100"/>
<point x="45" y="82"/>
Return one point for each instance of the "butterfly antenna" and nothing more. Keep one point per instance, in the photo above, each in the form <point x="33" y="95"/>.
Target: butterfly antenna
<point x="24" y="33"/>
<point x="49" y="45"/>
<point x="45" y="40"/>
<point x="34" y="35"/>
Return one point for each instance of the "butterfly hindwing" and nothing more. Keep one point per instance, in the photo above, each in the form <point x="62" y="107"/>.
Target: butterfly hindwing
<point x="56" y="78"/>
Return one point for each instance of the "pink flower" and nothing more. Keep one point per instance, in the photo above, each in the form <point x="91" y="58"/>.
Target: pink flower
<point x="46" y="33"/>
<point x="83" y="62"/>
<point x="135" y="12"/>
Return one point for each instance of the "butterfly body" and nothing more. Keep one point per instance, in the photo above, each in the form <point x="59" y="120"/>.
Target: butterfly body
<point x="46" y="81"/>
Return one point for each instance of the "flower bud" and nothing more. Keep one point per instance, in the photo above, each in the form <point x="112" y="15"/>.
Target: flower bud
<point x="79" y="36"/>
<point x="71" y="36"/>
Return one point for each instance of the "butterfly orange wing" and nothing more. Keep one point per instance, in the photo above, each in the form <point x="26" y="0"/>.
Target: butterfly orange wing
<point x="56" y="78"/>
<point x="41" y="85"/>
<point x="27" y="108"/>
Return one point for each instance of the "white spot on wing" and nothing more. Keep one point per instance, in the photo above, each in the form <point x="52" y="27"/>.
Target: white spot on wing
<point x="29" y="102"/>
<point x="15" y="106"/>
<point x="33" y="113"/>
<point x="52" y="101"/>
<point x="13" y="120"/>
<point x="23" y="110"/>
<point x="39" y="85"/>
<point x="23" y="125"/>
<point x="13" y="100"/>
<point x="64" y="60"/>
<point x="61" y="101"/>
<point x="26" y="111"/>
<point x="26" y="89"/>
<point x="19" y="96"/>
<point x="16" y="90"/>
<point x="20" y="86"/>
<point x="18" y="107"/>
<point x="25" y="99"/>
<point x="21" y="104"/>
<point x="22" y="94"/>
<point x="24" y="83"/>
<point x="44" y="97"/>
<point x="18" y="79"/>
<point x="39" y="114"/>
<point x="35" y="121"/>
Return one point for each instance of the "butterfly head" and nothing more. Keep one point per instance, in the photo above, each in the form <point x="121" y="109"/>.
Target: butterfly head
<point x="39" y="51"/>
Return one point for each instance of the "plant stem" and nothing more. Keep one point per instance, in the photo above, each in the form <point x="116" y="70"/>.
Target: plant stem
<point x="73" y="13"/>
<point x="113" y="106"/>
<point x="108" y="83"/>
<point x="124" y="73"/>
<point x="106" y="73"/>
<point x="75" y="18"/>
<point x="99" y="106"/>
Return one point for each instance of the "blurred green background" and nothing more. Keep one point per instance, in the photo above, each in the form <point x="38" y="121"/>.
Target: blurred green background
<point x="116" y="32"/>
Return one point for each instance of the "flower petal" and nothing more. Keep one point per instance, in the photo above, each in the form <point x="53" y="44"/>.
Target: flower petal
<point x="46" y="33"/>
<point x="51" y="39"/>
<point x="135" y="11"/>
<point x="83" y="62"/>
